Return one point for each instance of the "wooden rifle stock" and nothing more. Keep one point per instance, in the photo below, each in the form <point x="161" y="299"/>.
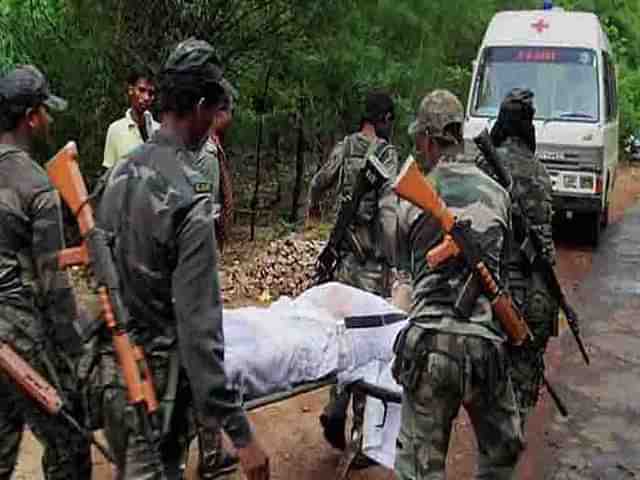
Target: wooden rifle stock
<point x="412" y="186"/>
<point x="64" y="173"/>
<point x="37" y="388"/>
<point x="29" y="380"/>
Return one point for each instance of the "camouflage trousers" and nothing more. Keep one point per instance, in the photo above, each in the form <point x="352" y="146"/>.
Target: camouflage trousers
<point x="136" y="459"/>
<point x="67" y="455"/>
<point x="526" y="363"/>
<point x="441" y="372"/>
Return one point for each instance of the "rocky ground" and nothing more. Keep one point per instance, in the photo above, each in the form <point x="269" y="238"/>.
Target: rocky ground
<point x="289" y="430"/>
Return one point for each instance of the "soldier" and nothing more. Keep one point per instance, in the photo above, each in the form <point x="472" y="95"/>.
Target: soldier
<point x="212" y="162"/>
<point x="36" y="301"/>
<point x="362" y="260"/>
<point x="513" y="134"/>
<point x="162" y="211"/>
<point x="363" y="264"/>
<point x="444" y="361"/>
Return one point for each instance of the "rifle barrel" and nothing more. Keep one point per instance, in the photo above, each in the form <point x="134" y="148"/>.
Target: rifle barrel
<point x="88" y="435"/>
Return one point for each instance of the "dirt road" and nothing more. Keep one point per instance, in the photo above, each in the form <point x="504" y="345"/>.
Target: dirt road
<point x="290" y="429"/>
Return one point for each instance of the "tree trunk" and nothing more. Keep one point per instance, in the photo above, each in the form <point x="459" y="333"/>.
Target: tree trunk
<point x="297" y="188"/>
<point x="260" y="108"/>
<point x="256" y="187"/>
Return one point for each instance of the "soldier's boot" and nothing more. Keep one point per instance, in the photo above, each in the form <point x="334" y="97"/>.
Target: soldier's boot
<point x="334" y="418"/>
<point x="215" y="461"/>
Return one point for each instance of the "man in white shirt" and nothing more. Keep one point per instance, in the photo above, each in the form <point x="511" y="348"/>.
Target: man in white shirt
<point x="137" y="125"/>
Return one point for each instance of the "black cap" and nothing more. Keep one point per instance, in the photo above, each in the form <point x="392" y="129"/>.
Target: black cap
<point x="26" y="86"/>
<point x="519" y="98"/>
<point x="377" y="105"/>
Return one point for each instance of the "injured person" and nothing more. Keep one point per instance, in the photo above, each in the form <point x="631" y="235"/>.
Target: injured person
<point x="330" y="331"/>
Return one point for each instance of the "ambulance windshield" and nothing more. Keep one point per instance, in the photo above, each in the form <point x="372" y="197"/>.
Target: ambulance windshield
<point x="564" y="81"/>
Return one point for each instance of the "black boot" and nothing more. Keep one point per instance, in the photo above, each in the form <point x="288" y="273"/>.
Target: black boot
<point x="334" y="418"/>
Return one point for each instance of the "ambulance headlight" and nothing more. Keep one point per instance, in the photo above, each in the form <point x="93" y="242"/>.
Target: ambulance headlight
<point x="570" y="181"/>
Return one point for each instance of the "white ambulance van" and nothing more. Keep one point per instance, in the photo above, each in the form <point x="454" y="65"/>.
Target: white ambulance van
<point x="566" y="60"/>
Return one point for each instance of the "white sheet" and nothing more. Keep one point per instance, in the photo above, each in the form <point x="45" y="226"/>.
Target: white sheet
<point x="294" y="341"/>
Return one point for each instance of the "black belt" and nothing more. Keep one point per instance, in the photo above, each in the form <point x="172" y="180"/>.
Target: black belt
<point x="373" y="321"/>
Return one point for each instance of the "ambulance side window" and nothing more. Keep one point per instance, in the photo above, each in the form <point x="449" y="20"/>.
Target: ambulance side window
<point x="610" y="88"/>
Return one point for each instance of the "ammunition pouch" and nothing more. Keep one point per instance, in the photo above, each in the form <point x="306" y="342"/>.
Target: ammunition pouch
<point x="441" y="355"/>
<point x="410" y="352"/>
<point x="401" y="363"/>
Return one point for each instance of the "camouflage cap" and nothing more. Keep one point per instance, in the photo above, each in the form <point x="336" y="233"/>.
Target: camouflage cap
<point x="437" y="110"/>
<point x="197" y="58"/>
<point x="26" y="86"/>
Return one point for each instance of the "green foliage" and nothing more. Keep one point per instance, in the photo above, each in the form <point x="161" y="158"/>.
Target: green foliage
<point x="621" y="20"/>
<point x="309" y="62"/>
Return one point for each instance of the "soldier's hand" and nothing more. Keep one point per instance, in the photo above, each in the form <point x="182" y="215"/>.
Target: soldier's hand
<point x="254" y="461"/>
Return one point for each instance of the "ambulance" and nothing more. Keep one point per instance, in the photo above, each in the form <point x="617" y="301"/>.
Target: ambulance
<point x="565" y="58"/>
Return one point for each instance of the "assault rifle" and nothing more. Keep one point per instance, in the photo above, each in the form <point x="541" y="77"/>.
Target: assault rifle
<point x="95" y="252"/>
<point x="371" y="177"/>
<point x="531" y="246"/>
<point x="36" y="387"/>
<point x="412" y="186"/>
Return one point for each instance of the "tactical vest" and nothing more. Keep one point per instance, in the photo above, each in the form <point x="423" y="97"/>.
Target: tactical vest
<point x="365" y="231"/>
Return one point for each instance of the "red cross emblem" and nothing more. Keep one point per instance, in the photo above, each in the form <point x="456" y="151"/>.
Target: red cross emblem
<point x="540" y="26"/>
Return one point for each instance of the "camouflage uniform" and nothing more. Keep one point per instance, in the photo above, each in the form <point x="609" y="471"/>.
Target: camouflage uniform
<point x="36" y="310"/>
<point x="368" y="268"/>
<point x="161" y="213"/>
<point x="211" y="162"/>
<point x="531" y="194"/>
<point x="444" y="361"/>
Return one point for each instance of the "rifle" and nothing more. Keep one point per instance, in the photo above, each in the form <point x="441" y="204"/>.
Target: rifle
<point x="412" y="186"/>
<point x="531" y="246"/>
<point x="556" y="398"/>
<point x="95" y="251"/>
<point x="36" y="387"/>
<point x="371" y="177"/>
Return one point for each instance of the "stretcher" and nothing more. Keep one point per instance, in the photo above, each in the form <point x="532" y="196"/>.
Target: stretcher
<point x="359" y="388"/>
<point x="331" y="334"/>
